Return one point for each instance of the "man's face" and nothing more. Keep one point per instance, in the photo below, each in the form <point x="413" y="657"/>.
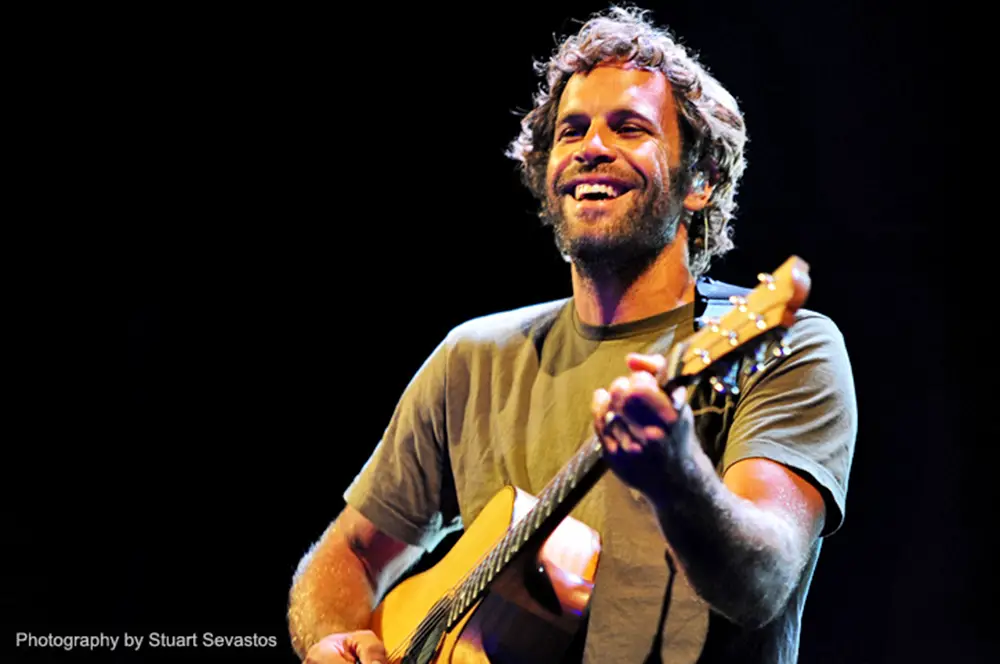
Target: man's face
<point x="616" y="148"/>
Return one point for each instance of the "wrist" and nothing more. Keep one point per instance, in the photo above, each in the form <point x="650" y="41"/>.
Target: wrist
<point x="685" y="471"/>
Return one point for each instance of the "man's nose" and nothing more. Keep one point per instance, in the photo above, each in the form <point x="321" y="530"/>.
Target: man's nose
<point x="595" y="150"/>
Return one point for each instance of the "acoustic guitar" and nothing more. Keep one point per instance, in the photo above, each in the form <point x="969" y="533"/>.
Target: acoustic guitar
<point x="516" y="586"/>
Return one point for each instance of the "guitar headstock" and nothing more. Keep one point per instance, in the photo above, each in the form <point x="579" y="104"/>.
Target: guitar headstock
<point x="753" y="324"/>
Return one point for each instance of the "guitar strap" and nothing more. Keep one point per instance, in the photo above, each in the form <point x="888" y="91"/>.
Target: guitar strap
<point x="712" y="299"/>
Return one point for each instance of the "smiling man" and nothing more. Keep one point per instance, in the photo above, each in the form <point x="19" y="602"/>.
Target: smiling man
<point x="712" y="518"/>
<point x="613" y="177"/>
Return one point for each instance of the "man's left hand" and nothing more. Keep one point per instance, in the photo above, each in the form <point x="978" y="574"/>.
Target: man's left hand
<point x="647" y="435"/>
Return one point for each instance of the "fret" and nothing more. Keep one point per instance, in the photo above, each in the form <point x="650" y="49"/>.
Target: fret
<point x="488" y="564"/>
<point x="496" y="562"/>
<point x="564" y="480"/>
<point x="537" y="516"/>
<point x="571" y="471"/>
<point x="493" y="564"/>
<point x="477" y="578"/>
<point x="517" y="534"/>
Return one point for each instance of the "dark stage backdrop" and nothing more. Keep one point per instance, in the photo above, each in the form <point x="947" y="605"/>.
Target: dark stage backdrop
<point x="316" y="199"/>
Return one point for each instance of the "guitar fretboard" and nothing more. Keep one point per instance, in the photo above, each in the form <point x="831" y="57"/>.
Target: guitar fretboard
<point x="554" y="503"/>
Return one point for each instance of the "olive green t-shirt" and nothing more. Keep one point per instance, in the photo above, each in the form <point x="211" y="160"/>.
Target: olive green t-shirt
<point x="505" y="399"/>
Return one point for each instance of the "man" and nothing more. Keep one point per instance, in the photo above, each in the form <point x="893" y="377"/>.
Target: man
<point x="712" y="517"/>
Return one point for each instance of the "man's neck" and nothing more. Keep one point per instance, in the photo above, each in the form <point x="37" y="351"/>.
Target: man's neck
<point x="611" y="299"/>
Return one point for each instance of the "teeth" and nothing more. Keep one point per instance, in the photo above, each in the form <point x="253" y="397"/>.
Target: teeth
<point x="583" y="189"/>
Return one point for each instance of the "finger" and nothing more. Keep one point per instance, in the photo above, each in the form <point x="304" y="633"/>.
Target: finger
<point x="599" y="407"/>
<point x="652" y="363"/>
<point x="608" y="435"/>
<point x="647" y="403"/>
<point x="679" y="399"/>
<point x="368" y="648"/>
<point x="627" y="441"/>
<point x="651" y="416"/>
<point x="331" y="650"/>
<point x="631" y="433"/>
<point x="617" y="437"/>
<point x="619" y="391"/>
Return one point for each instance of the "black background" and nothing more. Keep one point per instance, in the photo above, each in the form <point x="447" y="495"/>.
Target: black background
<point x="314" y="200"/>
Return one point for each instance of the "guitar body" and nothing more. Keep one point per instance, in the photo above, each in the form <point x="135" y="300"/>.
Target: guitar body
<point x="532" y="611"/>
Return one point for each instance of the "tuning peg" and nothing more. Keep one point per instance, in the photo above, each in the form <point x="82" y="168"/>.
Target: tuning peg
<point x="781" y="349"/>
<point x="728" y="383"/>
<point x="758" y="319"/>
<point x="766" y="278"/>
<point x="704" y="355"/>
<point x="739" y="302"/>
<point x="760" y="355"/>
<point x="717" y="385"/>
<point x="731" y="379"/>
<point x="711" y="323"/>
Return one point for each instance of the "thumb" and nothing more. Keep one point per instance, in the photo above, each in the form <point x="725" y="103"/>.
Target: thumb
<point x="654" y="364"/>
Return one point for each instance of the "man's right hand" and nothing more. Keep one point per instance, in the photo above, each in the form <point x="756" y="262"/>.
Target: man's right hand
<point x="348" y="648"/>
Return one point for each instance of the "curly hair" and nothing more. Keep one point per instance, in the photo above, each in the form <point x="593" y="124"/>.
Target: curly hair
<point x="712" y="126"/>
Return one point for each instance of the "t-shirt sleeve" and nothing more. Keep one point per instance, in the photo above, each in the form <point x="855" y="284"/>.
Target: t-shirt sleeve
<point x="405" y="487"/>
<point x="801" y="411"/>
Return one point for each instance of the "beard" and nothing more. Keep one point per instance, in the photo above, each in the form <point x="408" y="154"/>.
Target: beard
<point x="629" y="240"/>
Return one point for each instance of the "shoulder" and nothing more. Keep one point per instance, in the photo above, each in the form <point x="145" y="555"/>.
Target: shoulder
<point x="503" y="328"/>
<point x="812" y="331"/>
<point x="818" y="335"/>
<point x="815" y="362"/>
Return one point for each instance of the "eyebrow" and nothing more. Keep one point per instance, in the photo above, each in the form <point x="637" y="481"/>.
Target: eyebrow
<point x="617" y="115"/>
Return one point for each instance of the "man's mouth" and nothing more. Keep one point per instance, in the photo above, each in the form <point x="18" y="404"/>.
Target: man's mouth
<point x="595" y="189"/>
<point x="595" y="192"/>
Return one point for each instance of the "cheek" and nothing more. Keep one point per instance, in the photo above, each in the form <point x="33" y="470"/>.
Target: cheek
<point x="657" y="164"/>
<point x="557" y="164"/>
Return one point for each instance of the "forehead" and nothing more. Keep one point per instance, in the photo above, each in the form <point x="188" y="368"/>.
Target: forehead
<point x="611" y="88"/>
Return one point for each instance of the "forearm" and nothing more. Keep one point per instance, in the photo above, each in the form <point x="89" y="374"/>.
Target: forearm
<point x="742" y="559"/>
<point x="332" y="592"/>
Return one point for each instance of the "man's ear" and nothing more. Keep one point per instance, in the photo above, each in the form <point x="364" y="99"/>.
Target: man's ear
<point x="699" y="195"/>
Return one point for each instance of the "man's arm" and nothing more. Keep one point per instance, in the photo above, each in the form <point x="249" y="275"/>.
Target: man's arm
<point x="742" y="540"/>
<point x="340" y="580"/>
